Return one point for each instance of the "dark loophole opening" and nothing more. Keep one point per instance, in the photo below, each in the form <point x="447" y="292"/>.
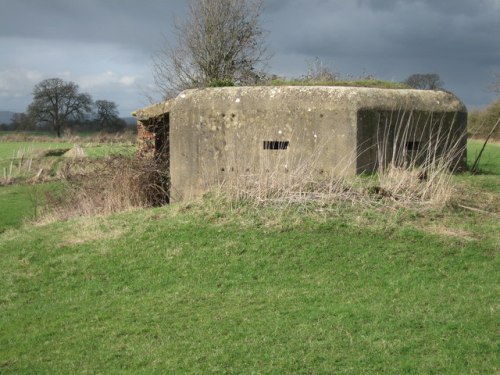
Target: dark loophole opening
<point x="412" y="146"/>
<point x="276" y="145"/>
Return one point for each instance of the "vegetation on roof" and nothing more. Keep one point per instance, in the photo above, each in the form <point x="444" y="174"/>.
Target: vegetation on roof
<point x="374" y="83"/>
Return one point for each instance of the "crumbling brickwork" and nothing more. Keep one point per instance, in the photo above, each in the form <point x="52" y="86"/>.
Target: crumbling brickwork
<point x="145" y="140"/>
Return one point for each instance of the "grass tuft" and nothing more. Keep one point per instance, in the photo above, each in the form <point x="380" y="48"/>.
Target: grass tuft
<point x="373" y="83"/>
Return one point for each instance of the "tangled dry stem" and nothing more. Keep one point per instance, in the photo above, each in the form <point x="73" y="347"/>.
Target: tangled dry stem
<point x="110" y="185"/>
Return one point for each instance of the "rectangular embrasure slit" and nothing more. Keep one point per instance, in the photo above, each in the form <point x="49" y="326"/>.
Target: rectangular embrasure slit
<point x="276" y="145"/>
<point x="412" y="146"/>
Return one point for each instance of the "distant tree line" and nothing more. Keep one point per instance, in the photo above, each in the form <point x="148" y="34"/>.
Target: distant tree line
<point x="58" y="105"/>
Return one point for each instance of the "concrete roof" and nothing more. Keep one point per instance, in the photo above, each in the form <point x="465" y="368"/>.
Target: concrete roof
<point x="352" y="97"/>
<point x="153" y="111"/>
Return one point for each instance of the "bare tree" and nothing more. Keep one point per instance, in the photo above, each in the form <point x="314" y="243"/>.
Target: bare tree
<point x="57" y="102"/>
<point x="107" y="115"/>
<point x="220" y="43"/>
<point x="430" y="81"/>
<point x="21" y="122"/>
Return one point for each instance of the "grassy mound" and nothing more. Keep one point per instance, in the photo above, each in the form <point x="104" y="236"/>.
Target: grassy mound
<point x="210" y="287"/>
<point x="159" y="291"/>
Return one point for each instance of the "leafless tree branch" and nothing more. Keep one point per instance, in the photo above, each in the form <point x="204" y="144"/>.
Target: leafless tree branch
<point x="220" y="43"/>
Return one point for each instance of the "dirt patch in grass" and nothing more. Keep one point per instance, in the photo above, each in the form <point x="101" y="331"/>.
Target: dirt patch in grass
<point x="451" y="232"/>
<point x="89" y="231"/>
<point x="54" y="152"/>
<point x="75" y="152"/>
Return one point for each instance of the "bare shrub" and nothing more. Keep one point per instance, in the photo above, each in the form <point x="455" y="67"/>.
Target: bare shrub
<point x="318" y="71"/>
<point x="482" y="122"/>
<point x="110" y="185"/>
<point x="429" y="81"/>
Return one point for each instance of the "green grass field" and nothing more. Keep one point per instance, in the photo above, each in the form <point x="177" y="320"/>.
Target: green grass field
<point x="9" y="150"/>
<point x="202" y="289"/>
<point x="20" y="203"/>
<point x="489" y="167"/>
<point x="16" y="206"/>
<point x="104" y="150"/>
<point x="153" y="292"/>
<point x="490" y="160"/>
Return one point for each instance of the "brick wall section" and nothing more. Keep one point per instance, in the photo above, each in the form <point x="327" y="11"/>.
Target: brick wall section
<point x="145" y="140"/>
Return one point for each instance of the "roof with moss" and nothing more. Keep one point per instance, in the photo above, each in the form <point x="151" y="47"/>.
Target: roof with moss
<point x="351" y="97"/>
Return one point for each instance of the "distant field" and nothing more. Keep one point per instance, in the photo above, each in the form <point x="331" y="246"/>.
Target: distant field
<point x="48" y="134"/>
<point x="22" y="160"/>
<point x="37" y="133"/>
<point x="10" y="150"/>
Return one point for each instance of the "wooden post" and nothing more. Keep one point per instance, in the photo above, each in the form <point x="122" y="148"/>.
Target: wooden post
<point x="476" y="163"/>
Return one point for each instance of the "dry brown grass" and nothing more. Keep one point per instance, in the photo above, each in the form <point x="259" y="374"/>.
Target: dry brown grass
<point x="403" y="178"/>
<point x="285" y="182"/>
<point x="422" y="175"/>
<point x="125" y="137"/>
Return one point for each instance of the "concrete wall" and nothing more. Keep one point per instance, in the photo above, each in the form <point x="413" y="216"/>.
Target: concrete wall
<point x="215" y="133"/>
<point x="221" y="131"/>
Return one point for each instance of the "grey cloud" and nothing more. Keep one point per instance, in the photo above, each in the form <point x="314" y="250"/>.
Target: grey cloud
<point x="448" y="7"/>
<point x="126" y="22"/>
<point x="394" y="38"/>
<point x="357" y="34"/>
<point x="390" y="38"/>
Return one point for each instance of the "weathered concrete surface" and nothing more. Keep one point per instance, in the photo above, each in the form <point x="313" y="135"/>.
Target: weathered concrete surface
<point x="217" y="131"/>
<point x="153" y="111"/>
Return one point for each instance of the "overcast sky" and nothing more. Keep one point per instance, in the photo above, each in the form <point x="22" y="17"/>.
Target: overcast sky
<point x="105" y="46"/>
